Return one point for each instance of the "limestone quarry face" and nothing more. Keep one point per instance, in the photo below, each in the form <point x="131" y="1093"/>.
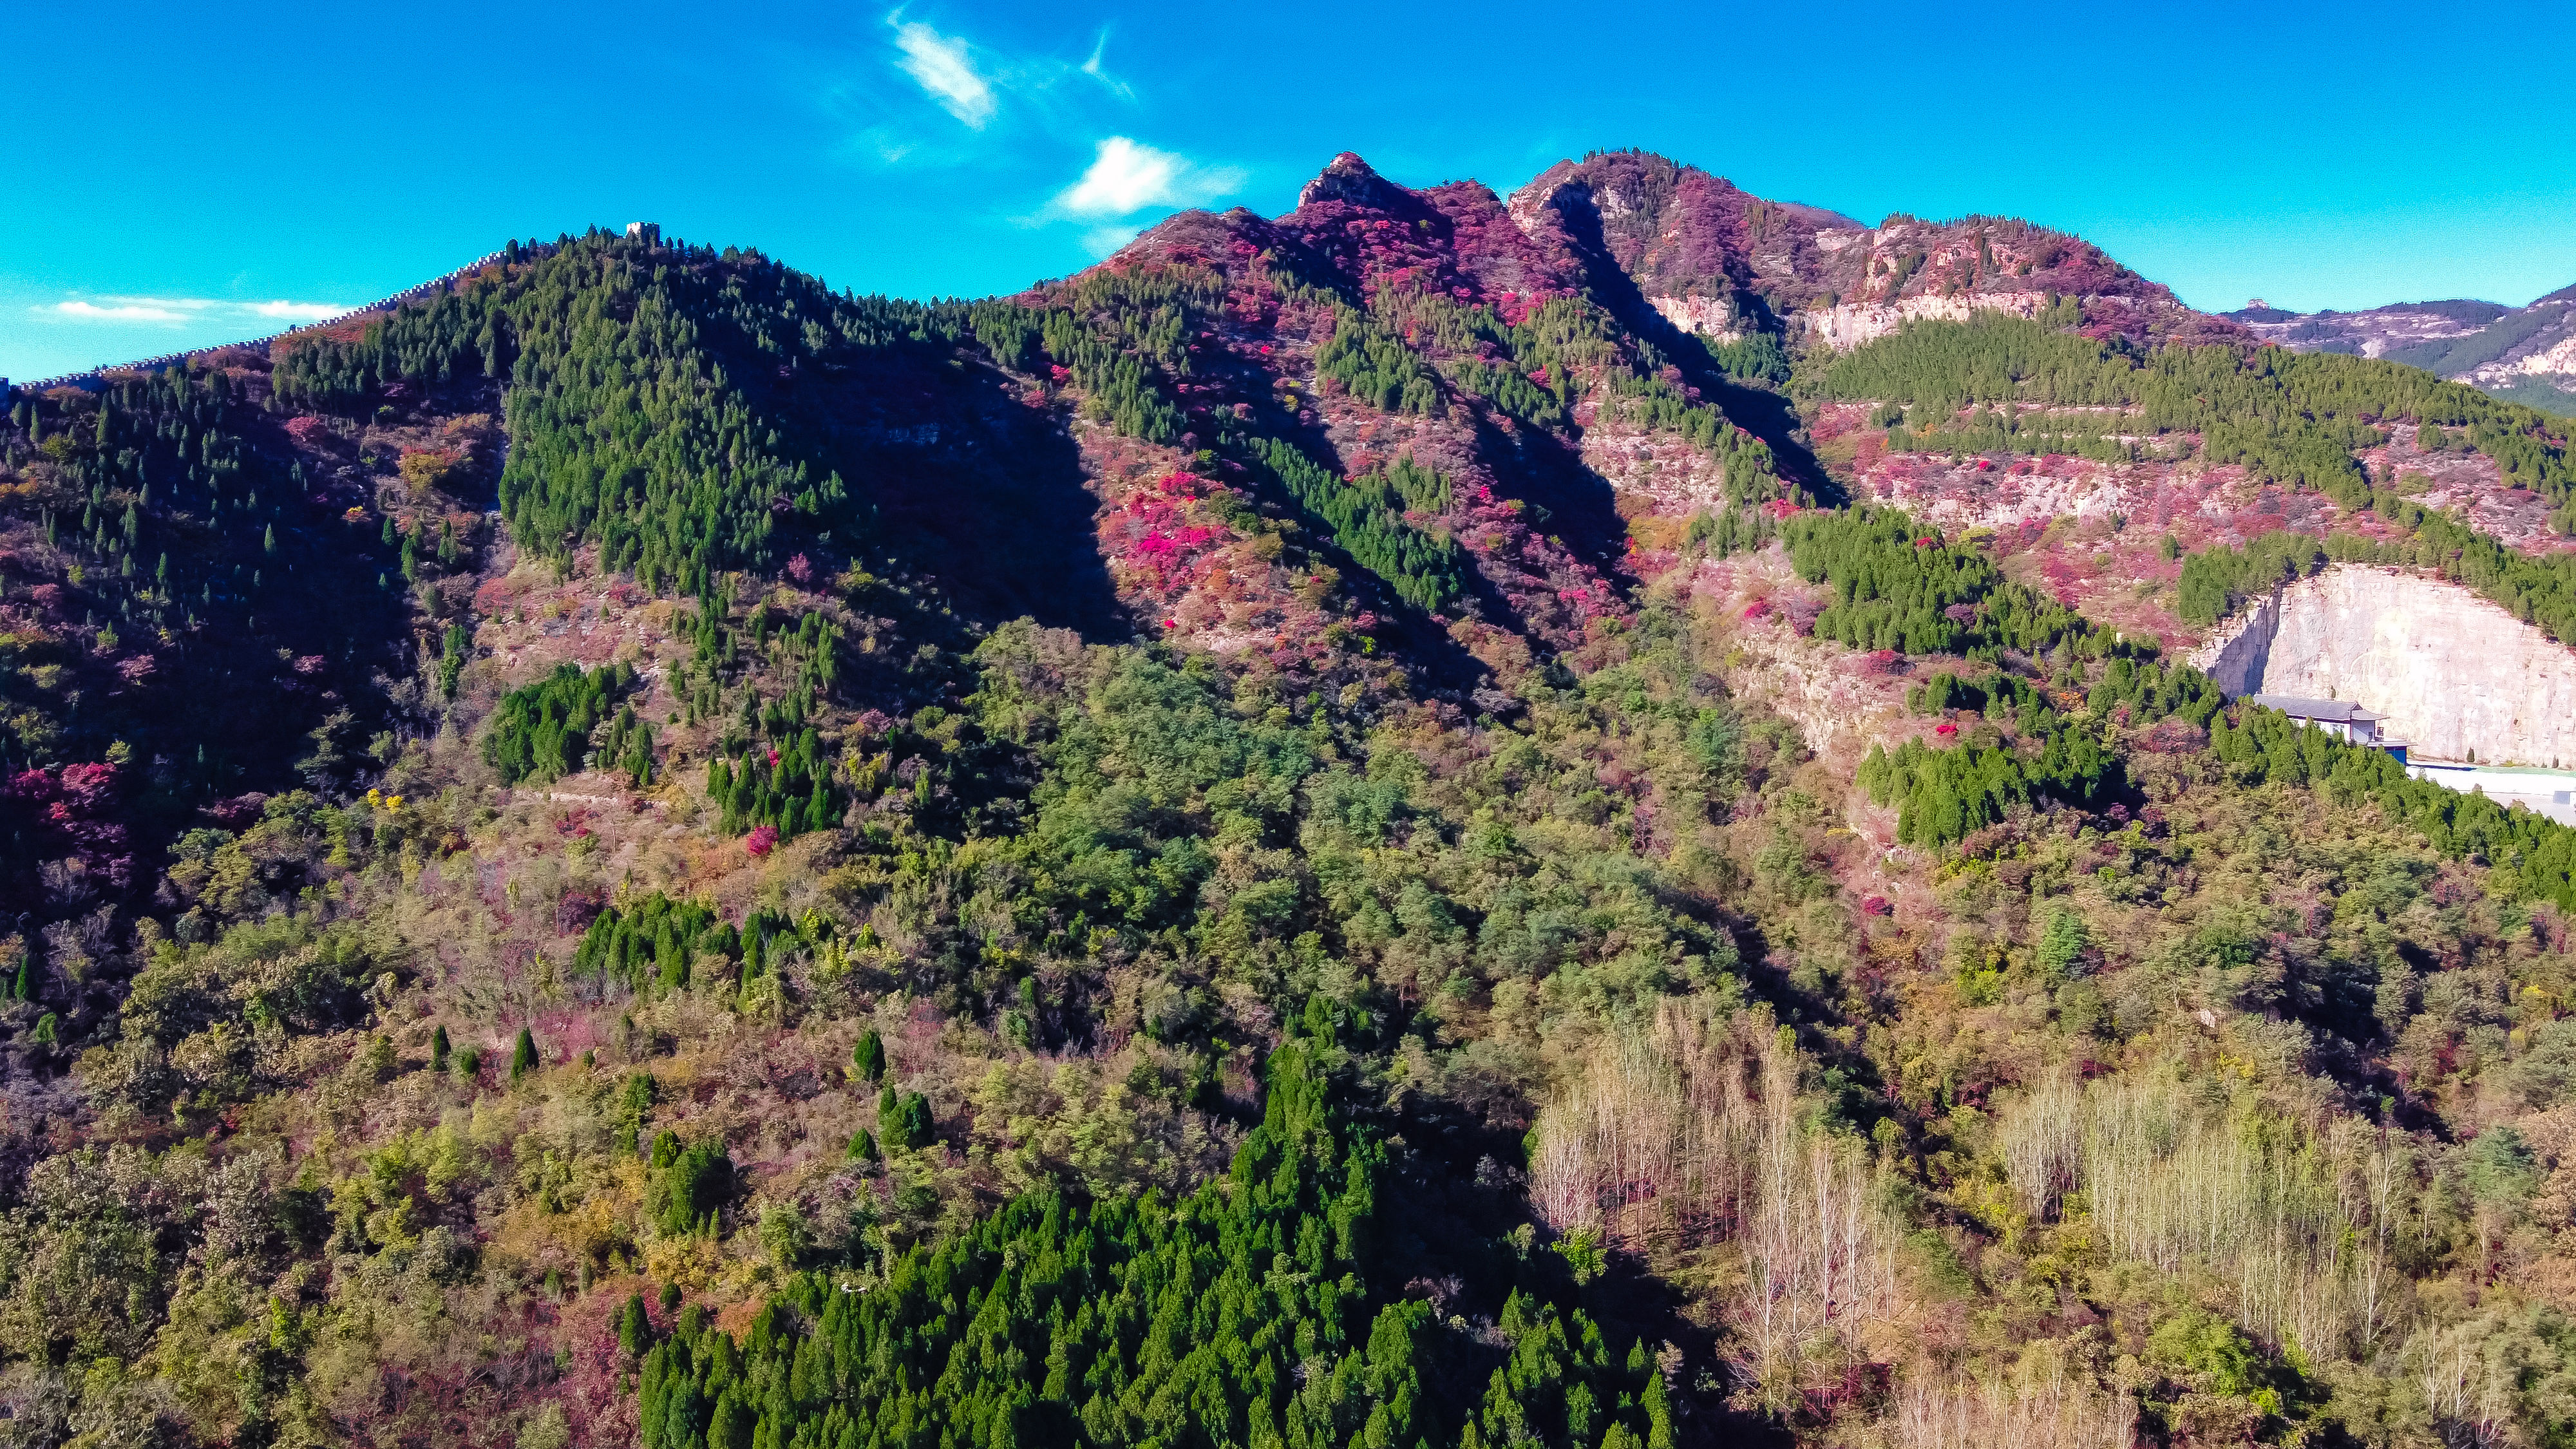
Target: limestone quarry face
<point x="2452" y="672"/>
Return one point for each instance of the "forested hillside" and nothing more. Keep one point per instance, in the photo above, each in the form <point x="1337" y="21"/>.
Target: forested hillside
<point x="1338" y="831"/>
<point x="2336" y="448"/>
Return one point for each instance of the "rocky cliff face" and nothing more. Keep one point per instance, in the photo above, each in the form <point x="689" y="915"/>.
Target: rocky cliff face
<point x="2550" y="355"/>
<point x="1849" y="324"/>
<point x="2452" y="672"/>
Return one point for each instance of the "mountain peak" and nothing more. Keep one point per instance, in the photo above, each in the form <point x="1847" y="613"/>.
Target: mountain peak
<point x="1675" y="228"/>
<point x="1349" y="179"/>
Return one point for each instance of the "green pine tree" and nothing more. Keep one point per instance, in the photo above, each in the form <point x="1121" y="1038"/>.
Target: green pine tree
<point x="2062" y="943"/>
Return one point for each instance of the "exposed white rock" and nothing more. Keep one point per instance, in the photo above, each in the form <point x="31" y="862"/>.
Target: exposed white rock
<point x="2557" y="360"/>
<point x="2373" y="333"/>
<point x="2452" y="672"/>
<point x="1711" y="317"/>
<point x="1850" y="324"/>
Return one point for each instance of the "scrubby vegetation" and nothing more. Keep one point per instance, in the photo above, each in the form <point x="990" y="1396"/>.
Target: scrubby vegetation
<point x="927" y="1024"/>
<point x="2292" y="416"/>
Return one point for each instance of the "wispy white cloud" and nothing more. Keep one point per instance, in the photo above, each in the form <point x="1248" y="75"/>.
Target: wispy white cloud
<point x="121" y="312"/>
<point x="1095" y="69"/>
<point x="944" y="70"/>
<point x="183" y="309"/>
<point x="298" y="311"/>
<point x="1127" y="176"/>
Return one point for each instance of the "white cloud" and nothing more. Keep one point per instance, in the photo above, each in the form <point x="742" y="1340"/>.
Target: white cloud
<point x="1097" y="71"/>
<point x="1127" y="177"/>
<point x="185" y="309"/>
<point x="174" y="304"/>
<point x="298" y="311"/>
<point x="124" y="312"/>
<point x="940" y="64"/>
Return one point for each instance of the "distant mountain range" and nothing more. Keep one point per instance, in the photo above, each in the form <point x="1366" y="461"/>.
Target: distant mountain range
<point x="2524" y="354"/>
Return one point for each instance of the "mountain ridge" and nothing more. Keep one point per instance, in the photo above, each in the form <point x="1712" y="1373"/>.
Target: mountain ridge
<point x="1698" y="247"/>
<point x="1446" y="819"/>
<point x="1716" y="224"/>
<point x="2527" y="354"/>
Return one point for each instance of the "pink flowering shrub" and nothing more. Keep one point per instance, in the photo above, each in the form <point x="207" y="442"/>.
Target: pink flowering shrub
<point x="238" y="811"/>
<point x="1150" y="536"/>
<point x="73" y="803"/>
<point x="762" y="840"/>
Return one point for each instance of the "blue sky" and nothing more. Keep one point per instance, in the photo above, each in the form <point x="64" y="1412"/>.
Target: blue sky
<point x="182" y="174"/>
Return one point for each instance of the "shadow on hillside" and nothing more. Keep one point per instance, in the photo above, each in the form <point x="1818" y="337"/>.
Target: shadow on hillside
<point x="1758" y="410"/>
<point x="1414" y="634"/>
<point x="1765" y="414"/>
<point x="1582" y="509"/>
<point x="1462" y="1221"/>
<point x="986" y="497"/>
<point x="256" y="652"/>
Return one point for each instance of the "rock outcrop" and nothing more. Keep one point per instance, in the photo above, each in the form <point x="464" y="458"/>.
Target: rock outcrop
<point x="2452" y="672"/>
<point x="1849" y="324"/>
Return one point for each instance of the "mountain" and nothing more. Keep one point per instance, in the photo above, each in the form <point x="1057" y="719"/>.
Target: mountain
<point x="2526" y="354"/>
<point x="1704" y="254"/>
<point x="1562" y="818"/>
